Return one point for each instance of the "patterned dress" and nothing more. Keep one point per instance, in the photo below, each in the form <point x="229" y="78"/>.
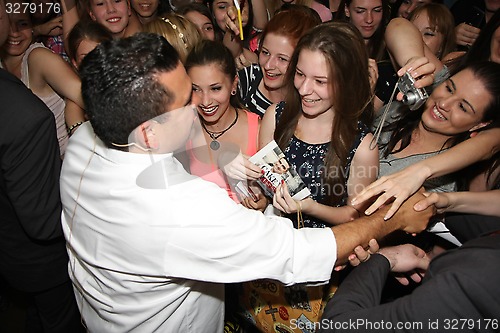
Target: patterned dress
<point x="308" y="160"/>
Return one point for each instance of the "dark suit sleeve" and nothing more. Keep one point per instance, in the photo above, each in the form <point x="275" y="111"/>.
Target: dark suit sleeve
<point x="448" y="297"/>
<point x="31" y="166"/>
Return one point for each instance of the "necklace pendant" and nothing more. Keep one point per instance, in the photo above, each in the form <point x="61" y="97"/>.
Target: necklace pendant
<point x="214" y="145"/>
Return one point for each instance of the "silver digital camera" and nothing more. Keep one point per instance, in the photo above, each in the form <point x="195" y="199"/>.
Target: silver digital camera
<point x="413" y="97"/>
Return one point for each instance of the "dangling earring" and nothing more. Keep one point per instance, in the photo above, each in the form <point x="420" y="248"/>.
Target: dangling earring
<point x="233" y="92"/>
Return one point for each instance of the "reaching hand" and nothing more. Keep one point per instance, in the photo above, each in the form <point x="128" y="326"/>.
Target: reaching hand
<point x="260" y="204"/>
<point x="441" y="201"/>
<point x="400" y="186"/>
<point x="465" y="34"/>
<point x="408" y="219"/>
<point x="361" y="254"/>
<point x="408" y="259"/>
<point x="240" y="168"/>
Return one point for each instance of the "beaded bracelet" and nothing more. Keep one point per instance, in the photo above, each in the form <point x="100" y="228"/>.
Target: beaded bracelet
<point x="75" y="125"/>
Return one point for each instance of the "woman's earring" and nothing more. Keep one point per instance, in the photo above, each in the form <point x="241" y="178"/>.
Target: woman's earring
<point x="233" y="92"/>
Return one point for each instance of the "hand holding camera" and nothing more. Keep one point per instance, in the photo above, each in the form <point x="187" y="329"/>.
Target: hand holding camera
<point x="413" y="77"/>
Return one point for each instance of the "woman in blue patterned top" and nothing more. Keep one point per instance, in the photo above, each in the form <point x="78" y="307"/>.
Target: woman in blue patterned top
<point x="320" y="125"/>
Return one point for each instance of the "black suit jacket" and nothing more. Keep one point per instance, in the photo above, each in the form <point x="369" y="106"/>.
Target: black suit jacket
<point x="32" y="249"/>
<point x="460" y="284"/>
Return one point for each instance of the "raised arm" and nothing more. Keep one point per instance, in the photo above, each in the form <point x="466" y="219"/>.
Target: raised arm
<point x="404" y="43"/>
<point x="483" y="203"/>
<point x="54" y="71"/>
<point x="267" y="126"/>
<point x="70" y="18"/>
<point x="404" y="183"/>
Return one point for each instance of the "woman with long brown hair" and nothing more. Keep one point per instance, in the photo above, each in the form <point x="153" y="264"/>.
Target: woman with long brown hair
<point x="320" y="125"/>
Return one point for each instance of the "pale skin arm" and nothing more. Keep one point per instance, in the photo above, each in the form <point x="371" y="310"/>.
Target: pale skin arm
<point x="260" y="17"/>
<point x="483" y="203"/>
<point x="73" y="114"/>
<point x="404" y="183"/>
<point x="267" y="126"/>
<point x="47" y="68"/>
<point x="404" y="43"/>
<point x="69" y="19"/>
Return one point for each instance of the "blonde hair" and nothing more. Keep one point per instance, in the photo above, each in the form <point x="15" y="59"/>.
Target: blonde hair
<point x="178" y="31"/>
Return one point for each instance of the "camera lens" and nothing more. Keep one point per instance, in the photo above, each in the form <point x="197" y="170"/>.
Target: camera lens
<point x="410" y="98"/>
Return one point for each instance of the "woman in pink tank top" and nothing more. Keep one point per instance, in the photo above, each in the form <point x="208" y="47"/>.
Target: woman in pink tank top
<point x="228" y="135"/>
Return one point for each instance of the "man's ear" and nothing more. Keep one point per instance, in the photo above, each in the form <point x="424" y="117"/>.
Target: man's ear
<point x="145" y="135"/>
<point x="479" y="126"/>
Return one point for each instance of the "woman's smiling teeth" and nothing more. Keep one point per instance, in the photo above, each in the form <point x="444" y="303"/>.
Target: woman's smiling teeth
<point x="272" y="74"/>
<point x="308" y="100"/>
<point x="209" y="110"/>
<point x="438" y="114"/>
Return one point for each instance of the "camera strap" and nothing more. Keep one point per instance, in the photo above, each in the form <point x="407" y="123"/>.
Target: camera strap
<point x="378" y="130"/>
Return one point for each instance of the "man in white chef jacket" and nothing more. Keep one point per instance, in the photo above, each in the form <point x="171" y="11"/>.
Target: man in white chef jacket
<point x="151" y="246"/>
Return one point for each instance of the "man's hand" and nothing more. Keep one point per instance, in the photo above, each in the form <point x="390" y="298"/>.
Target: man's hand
<point x="406" y="258"/>
<point x="409" y="219"/>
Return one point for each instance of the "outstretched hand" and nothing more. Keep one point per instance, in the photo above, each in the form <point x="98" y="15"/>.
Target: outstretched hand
<point x="466" y="34"/>
<point x="441" y="201"/>
<point x="239" y="167"/>
<point x="398" y="186"/>
<point x="361" y="254"/>
<point x="408" y="259"/>
<point x="408" y="219"/>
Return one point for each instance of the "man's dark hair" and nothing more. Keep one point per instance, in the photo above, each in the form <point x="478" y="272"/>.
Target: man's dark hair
<point x="120" y="85"/>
